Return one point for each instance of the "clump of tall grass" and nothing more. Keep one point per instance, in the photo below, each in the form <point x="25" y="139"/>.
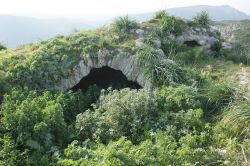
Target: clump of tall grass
<point x="160" y="14"/>
<point x="217" y="96"/>
<point x="125" y="24"/>
<point x="237" y="118"/>
<point x="159" y="70"/>
<point x="239" y="54"/>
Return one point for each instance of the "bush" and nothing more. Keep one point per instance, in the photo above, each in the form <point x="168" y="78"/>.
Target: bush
<point x="124" y="24"/>
<point x="202" y="19"/>
<point x="171" y="25"/>
<point x="74" y="103"/>
<point x="191" y="56"/>
<point x="46" y="66"/>
<point x="147" y="56"/>
<point x="33" y="120"/>
<point x="178" y="98"/>
<point x="239" y="54"/>
<point x="237" y="119"/>
<point x="120" y="113"/>
<point x="170" y="47"/>
<point x="166" y="72"/>
<point x="216" y="96"/>
<point x="160" y="14"/>
<point x="2" y="47"/>
<point x="158" y="70"/>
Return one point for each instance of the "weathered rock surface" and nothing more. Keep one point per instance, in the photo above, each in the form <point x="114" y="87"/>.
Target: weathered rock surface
<point x="139" y="33"/>
<point x="122" y="61"/>
<point x="226" y="45"/>
<point x="200" y="36"/>
<point x="125" y="62"/>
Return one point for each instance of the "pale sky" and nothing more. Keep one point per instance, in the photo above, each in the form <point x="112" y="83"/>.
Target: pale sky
<point x="103" y="8"/>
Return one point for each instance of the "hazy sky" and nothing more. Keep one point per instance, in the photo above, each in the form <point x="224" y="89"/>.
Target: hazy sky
<point x="103" y="8"/>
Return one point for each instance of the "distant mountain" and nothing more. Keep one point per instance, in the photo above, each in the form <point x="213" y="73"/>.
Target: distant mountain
<point x="217" y="13"/>
<point x="16" y="30"/>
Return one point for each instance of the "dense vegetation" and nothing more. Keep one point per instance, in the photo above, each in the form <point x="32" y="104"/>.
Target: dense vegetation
<point x="196" y="114"/>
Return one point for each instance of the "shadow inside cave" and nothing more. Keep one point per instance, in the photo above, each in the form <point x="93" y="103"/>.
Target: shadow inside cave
<point x="192" y="43"/>
<point x="104" y="78"/>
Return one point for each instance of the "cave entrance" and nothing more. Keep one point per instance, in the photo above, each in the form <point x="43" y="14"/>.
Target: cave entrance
<point x="192" y="43"/>
<point x="104" y="78"/>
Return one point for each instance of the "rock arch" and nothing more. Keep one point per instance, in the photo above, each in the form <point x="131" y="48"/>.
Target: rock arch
<point x="104" y="78"/>
<point x="123" y="62"/>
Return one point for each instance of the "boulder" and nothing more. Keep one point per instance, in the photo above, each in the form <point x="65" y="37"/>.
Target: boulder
<point x="139" y="33"/>
<point x="226" y="45"/>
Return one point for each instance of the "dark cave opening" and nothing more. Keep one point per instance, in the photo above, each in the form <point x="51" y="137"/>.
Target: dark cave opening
<point x="192" y="43"/>
<point x="104" y="78"/>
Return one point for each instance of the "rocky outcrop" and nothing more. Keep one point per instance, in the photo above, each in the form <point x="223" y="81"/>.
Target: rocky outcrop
<point x="200" y="36"/>
<point x="122" y="61"/>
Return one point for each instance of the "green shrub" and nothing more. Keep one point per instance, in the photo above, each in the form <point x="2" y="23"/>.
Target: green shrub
<point x="191" y="56"/>
<point x="120" y="113"/>
<point x="217" y="46"/>
<point x="237" y="119"/>
<point x="124" y="24"/>
<point x="150" y="37"/>
<point x="216" y="96"/>
<point x="32" y="120"/>
<point x="202" y="19"/>
<point x="147" y="56"/>
<point x="178" y="98"/>
<point x="46" y="66"/>
<point x="160" y="14"/>
<point x="9" y="154"/>
<point x="161" y="148"/>
<point x="2" y="47"/>
<point x="239" y="54"/>
<point x="171" y="25"/>
<point x="170" y="47"/>
<point x="166" y="72"/>
<point x="74" y="103"/>
<point x="158" y="70"/>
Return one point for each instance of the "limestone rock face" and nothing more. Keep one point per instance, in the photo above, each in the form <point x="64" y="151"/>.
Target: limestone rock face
<point x="125" y="62"/>
<point x="226" y="45"/>
<point x="122" y="61"/>
<point x="139" y="33"/>
<point x="198" y="35"/>
<point x="157" y="43"/>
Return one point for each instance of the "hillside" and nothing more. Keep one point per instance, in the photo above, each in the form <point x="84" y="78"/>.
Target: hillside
<point x="217" y="13"/>
<point x="162" y="92"/>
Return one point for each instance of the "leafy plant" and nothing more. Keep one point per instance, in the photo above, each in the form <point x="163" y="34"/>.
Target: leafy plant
<point x="239" y="54"/>
<point x="124" y="24"/>
<point x="237" y="119"/>
<point x="2" y="47"/>
<point x="120" y="113"/>
<point x="158" y="70"/>
<point x="202" y="19"/>
<point x="160" y="14"/>
<point x="192" y="56"/>
<point x="216" y="96"/>
<point x="171" y="25"/>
